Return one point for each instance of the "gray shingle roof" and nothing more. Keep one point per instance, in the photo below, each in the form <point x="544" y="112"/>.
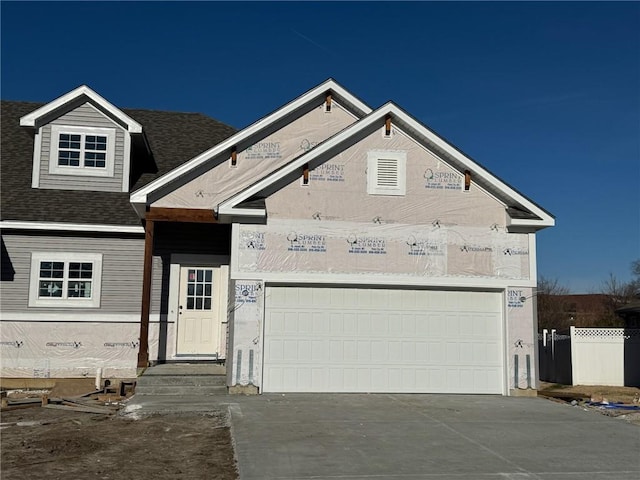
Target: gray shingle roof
<point x="173" y="138"/>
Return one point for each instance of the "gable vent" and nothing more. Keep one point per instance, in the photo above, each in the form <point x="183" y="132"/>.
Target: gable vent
<point x="386" y="173"/>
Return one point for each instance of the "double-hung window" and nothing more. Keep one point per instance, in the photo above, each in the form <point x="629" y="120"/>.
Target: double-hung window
<point x="65" y="280"/>
<point x="82" y="151"/>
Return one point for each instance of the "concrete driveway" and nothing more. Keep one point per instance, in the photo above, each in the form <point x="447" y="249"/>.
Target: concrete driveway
<point x="299" y="436"/>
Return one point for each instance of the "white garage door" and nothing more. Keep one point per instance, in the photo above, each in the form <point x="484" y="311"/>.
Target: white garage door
<point x="375" y="340"/>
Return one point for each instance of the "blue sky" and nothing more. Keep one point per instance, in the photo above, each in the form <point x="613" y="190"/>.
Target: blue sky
<point x="545" y="95"/>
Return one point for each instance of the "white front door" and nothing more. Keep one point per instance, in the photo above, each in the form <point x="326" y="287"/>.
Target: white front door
<point x="202" y="311"/>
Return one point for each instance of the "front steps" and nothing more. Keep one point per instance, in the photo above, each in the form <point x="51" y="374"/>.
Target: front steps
<point x="183" y="379"/>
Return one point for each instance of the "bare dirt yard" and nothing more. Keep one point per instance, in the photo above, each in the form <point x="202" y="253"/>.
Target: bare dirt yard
<point x="586" y="396"/>
<point x="57" y="443"/>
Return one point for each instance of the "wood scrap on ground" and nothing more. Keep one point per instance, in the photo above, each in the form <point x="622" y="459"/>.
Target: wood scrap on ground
<point x="80" y="408"/>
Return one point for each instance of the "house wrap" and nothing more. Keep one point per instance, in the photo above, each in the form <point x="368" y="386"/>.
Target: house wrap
<point x="327" y="247"/>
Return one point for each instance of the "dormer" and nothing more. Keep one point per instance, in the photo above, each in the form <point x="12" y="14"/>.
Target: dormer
<point x="81" y="142"/>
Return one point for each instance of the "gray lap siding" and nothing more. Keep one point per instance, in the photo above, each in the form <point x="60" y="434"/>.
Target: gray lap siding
<point x="122" y="262"/>
<point x="122" y="265"/>
<point x="82" y="116"/>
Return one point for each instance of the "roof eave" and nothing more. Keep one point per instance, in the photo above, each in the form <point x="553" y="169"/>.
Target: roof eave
<point x="518" y="225"/>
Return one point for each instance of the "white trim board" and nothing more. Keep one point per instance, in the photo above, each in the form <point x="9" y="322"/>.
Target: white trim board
<point x="228" y="207"/>
<point x="290" y="278"/>
<point x="37" y="154"/>
<point x="92" y="317"/>
<point x="69" y="227"/>
<point x="140" y="196"/>
<point x="31" y="119"/>
<point x="505" y="345"/>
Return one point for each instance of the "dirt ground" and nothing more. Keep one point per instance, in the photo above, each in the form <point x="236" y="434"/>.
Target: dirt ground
<point x="581" y="395"/>
<point x="60" y="444"/>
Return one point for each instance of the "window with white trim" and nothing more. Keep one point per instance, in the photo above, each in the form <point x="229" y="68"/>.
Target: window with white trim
<point x="386" y="173"/>
<point x="82" y="151"/>
<point x="65" y="279"/>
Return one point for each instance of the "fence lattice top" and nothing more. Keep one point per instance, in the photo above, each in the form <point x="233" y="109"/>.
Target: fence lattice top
<point x="607" y="332"/>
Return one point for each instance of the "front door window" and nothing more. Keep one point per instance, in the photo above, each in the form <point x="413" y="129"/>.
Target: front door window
<point x="199" y="288"/>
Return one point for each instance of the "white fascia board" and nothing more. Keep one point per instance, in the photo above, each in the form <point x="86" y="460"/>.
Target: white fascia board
<point x="30" y="120"/>
<point x="140" y="196"/>
<point x="245" y="212"/>
<point x="227" y="207"/>
<point x="523" y="222"/>
<point x="69" y="227"/>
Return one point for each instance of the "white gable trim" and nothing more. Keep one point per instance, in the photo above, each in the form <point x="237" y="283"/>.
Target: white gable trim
<point x="126" y="168"/>
<point x="140" y="196"/>
<point x="228" y="207"/>
<point x="31" y="119"/>
<point x="69" y="227"/>
<point x="37" y="153"/>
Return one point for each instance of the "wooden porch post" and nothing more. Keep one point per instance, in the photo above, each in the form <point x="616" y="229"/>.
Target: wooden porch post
<point x="143" y="353"/>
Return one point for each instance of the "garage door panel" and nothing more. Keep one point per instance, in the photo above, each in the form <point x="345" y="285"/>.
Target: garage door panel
<point x="363" y="379"/>
<point x="394" y="324"/>
<point x="451" y="325"/>
<point x="350" y="351"/>
<point x="364" y="324"/>
<point x="379" y="325"/>
<point x="350" y="324"/>
<point x="391" y="346"/>
<point x="422" y="325"/>
<point x="321" y="296"/>
<point x="408" y="352"/>
<point x="364" y="352"/>
<point x="408" y="326"/>
<point x="436" y="325"/>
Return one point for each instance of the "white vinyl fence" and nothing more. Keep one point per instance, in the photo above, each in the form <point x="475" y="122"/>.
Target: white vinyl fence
<point x="605" y="356"/>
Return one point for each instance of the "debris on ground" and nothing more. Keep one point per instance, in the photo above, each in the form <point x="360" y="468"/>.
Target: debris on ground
<point x="619" y="402"/>
<point x="70" y="432"/>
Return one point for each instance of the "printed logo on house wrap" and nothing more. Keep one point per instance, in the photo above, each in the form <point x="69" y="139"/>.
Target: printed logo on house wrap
<point x="327" y="172"/>
<point x="442" y="180"/>
<point x="14" y="344"/>
<point x="515" y="251"/>
<point x="304" y="242"/>
<point x="252" y="241"/>
<point x="263" y="151"/>
<point x="369" y="245"/>
<point x="202" y="194"/>
<point x="475" y="248"/>
<point x="420" y="247"/>
<point x="247" y="292"/>
<point x="64" y="344"/>
<point x="516" y="298"/>
<point x="133" y="344"/>
<point x="307" y="145"/>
